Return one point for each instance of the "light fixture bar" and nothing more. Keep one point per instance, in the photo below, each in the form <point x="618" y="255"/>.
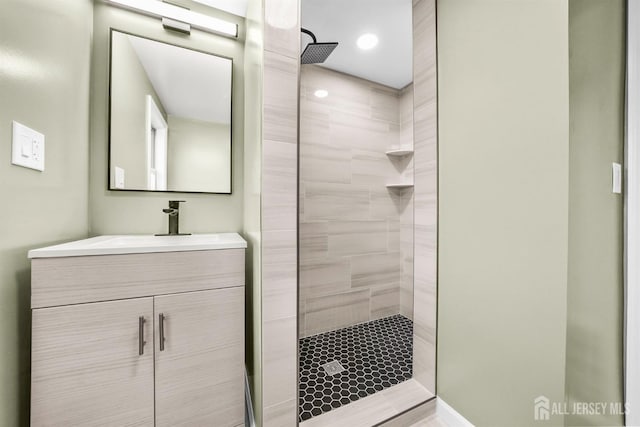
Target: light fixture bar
<point x="167" y="10"/>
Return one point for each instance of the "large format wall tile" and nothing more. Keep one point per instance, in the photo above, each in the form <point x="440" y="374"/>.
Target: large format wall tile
<point x="279" y="271"/>
<point x="425" y="191"/>
<point x="314" y="242"/>
<point x="280" y="356"/>
<point x="279" y="220"/>
<point x="375" y="270"/>
<point x="336" y="311"/>
<point x="281" y="27"/>
<point x="280" y="98"/>
<point x="279" y="182"/>
<point x="352" y="252"/>
<point x="324" y="163"/>
<point x="324" y="201"/>
<point x="385" y="301"/>
<point x="348" y="238"/>
<point x="325" y="278"/>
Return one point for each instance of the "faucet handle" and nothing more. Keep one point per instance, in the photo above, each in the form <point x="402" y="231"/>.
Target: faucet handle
<point x="175" y="204"/>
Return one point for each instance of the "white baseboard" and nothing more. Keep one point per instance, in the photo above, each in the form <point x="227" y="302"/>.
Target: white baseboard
<point x="450" y="416"/>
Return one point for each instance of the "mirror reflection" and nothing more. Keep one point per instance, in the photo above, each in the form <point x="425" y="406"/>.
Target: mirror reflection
<point x="170" y="117"/>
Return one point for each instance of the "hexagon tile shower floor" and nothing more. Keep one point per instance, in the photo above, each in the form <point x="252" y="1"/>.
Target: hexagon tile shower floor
<point x="375" y="355"/>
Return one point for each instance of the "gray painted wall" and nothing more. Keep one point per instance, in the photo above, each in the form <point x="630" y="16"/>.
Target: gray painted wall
<point x="503" y="216"/>
<point x="45" y="50"/>
<point x="596" y="295"/>
<point x="198" y="155"/>
<point x="129" y="89"/>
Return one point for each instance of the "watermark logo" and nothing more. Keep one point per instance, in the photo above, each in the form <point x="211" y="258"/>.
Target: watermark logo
<point x="541" y="408"/>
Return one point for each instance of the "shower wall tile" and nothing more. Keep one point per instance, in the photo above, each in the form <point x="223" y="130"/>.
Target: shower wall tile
<point x="351" y="252"/>
<point x="324" y="163"/>
<point x="279" y="209"/>
<point x="284" y="414"/>
<point x="325" y="278"/>
<point x="384" y="105"/>
<point x="277" y="300"/>
<point x="280" y="98"/>
<point x="425" y="191"/>
<point x="280" y="356"/>
<point x="279" y="183"/>
<point x="347" y="238"/>
<point x="385" y="301"/>
<point x="393" y="237"/>
<point x="314" y="242"/>
<point x="385" y="203"/>
<point x="375" y="270"/>
<point x="282" y="32"/>
<point x="329" y="201"/>
<point x="424" y="362"/>
<point x="370" y="167"/>
<point x="279" y="271"/>
<point x="351" y="131"/>
<point x="406" y="118"/>
<point x="327" y="313"/>
<point x="406" y="250"/>
<point x="316" y="119"/>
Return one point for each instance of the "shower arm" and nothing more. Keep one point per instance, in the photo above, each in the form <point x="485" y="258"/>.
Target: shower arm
<point x="309" y="33"/>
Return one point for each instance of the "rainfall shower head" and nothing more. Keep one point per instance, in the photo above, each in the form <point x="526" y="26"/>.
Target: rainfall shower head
<point x="316" y="53"/>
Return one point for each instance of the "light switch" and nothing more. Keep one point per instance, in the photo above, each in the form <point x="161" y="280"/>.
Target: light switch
<point x="616" y="170"/>
<point x="27" y="147"/>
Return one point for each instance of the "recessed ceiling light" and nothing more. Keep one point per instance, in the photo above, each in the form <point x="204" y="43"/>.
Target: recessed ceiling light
<point x="321" y="93"/>
<point x="367" y="41"/>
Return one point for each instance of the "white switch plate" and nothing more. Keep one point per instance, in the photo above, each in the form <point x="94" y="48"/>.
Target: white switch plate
<point x="28" y="147"/>
<point x="119" y="177"/>
<point x="616" y="170"/>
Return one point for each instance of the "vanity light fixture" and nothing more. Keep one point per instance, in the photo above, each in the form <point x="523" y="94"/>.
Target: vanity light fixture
<point x="321" y="93"/>
<point x="367" y="41"/>
<point x="176" y="13"/>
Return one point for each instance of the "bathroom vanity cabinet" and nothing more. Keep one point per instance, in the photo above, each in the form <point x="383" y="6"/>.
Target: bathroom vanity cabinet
<point x="138" y="339"/>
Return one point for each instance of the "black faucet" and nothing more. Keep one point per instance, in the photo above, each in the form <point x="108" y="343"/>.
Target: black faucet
<point x="174" y="218"/>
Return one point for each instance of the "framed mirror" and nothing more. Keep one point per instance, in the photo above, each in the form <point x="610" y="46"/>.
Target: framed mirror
<point x="169" y="117"/>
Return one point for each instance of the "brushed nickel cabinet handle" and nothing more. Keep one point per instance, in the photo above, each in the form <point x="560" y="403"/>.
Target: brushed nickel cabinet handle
<point x="141" y="341"/>
<point x="161" y="322"/>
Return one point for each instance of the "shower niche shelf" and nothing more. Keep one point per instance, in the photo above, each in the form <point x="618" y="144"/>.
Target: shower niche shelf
<point x="400" y="186"/>
<point x="399" y="152"/>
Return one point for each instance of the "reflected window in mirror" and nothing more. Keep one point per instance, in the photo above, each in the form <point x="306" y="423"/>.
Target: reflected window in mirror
<point x="170" y="117"/>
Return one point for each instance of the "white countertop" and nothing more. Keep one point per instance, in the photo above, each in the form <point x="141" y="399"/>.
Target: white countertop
<point x="139" y="244"/>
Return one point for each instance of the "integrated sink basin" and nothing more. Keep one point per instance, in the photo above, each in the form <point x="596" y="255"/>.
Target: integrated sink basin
<point x="138" y="244"/>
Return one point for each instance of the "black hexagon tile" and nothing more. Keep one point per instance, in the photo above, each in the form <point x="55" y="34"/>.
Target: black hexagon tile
<point x="342" y="366"/>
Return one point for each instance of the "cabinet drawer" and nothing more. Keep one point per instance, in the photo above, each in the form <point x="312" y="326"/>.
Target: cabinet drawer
<point x="74" y="280"/>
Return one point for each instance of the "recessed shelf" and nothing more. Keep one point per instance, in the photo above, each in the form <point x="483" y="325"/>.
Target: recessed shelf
<point x="399" y="152"/>
<point x="400" y="186"/>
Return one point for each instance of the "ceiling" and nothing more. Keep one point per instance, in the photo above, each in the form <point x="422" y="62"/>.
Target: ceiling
<point x="189" y="84"/>
<point x="237" y="7"/>
<point x="390" y="63"/>
<point x="343" y="21"/>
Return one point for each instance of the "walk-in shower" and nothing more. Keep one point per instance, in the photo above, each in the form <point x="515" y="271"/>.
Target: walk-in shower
<point x="356" y="209"/>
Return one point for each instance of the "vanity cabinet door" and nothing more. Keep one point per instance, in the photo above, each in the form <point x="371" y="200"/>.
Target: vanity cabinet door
<point x="200" y="367"/>
<point x="87" y="369"/>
